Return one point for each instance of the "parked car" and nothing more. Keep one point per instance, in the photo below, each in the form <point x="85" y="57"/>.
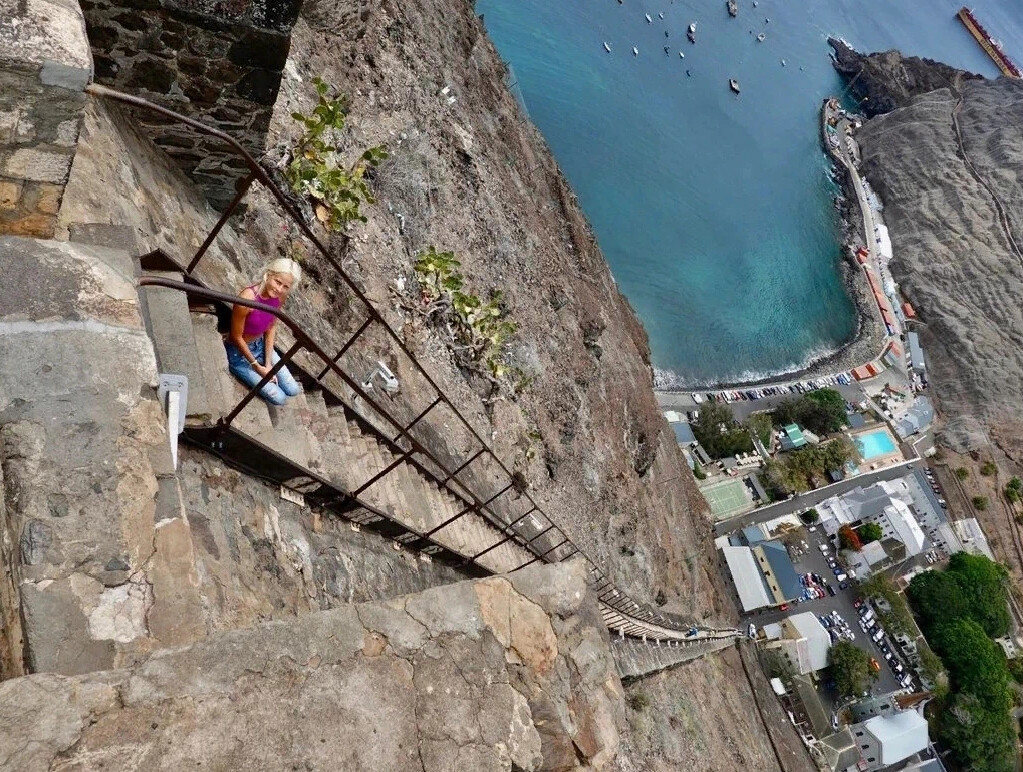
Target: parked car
<point x="843" y="585"/>
<point x="831" y="590"/>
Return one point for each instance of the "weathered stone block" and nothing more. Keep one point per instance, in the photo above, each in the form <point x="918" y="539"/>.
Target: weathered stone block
<point x="37" y="165"/>
<point x="32" y="224"/>
<point x="10" y="193"/>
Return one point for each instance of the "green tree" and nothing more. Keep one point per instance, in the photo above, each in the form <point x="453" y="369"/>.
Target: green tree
<point x="984" y="584"/>
<point x="975" y="663"/>
<point x="962" y="472"/>
<point x="850" y="667"/>
<point x="979" y="503"/>
<point x="1014" y="490"/>
<point x="988" y="468"/>
<point x="810" y="516"/>
<point x="870" y="532"/>
<point x="937" y="597"/>
<point x="719" y="433"/>
<point x="980" y="739"/>
<point x="828" y="411"/>
<point x="760" y="425"/>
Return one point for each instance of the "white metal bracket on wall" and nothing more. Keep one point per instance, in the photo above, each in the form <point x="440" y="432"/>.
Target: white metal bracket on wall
<point x="172" y="392"/>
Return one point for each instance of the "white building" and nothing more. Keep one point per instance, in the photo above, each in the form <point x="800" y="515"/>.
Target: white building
<point x="887" y="503"/>
<point x="803" y="642"/>
<point x="886" y="740"/>
<point x="972" y="537"/>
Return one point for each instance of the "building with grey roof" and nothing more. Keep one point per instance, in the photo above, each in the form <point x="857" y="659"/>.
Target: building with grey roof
<point x="762" y="573"/>
<point x="917" y="419"/>
<point x="803" y="642"/>
<point x="683" y="433"/>
<point x="886" y="740"/>
<point x="916" y="353"/>
<point x="972" y="537"/>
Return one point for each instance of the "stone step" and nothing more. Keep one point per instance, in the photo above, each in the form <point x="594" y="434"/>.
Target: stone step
<point x="224" y="391"/>
<point x="170" y="326"/>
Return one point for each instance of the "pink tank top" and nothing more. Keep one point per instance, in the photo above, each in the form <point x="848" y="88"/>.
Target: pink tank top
<point x="258" y="322"/>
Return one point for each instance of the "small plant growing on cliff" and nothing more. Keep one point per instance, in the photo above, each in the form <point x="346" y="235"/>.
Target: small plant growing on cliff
<point x="638" y="701"/>
<point x="988" y="468"/>
<point x="317" y="170"/>
<point x="481" y="328"/>
<point x="979" y="503"/>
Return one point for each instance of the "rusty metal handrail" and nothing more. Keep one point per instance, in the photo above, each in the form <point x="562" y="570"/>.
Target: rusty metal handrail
<point x="620" y="611"/>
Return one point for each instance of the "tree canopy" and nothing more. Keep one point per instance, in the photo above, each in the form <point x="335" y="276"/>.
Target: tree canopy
<point x="869" y="532"/>
<point x="848" y="538"/>
<point x="719" y="444"/>
<point x="821" y="411"/>
<point x="850" y="667"/>
<point x="980" y="739"/>
<point x="972" y="587"/>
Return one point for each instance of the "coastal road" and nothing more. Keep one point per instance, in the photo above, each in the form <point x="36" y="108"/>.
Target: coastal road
<point x="743" y="409"/>
<point x="812" y="498"/>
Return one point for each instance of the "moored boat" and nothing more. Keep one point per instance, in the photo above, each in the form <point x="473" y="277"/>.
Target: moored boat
<point x="733" y="84"/>
<point x="733" y="8"/>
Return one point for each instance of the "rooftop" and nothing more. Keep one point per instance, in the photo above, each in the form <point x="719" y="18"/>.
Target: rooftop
<point x="683" y="433"/>
<point x="748" y="580"/>
<point x="900" y="735"/>
<point x="782" y="568"/>
<point x="818" y="641"/>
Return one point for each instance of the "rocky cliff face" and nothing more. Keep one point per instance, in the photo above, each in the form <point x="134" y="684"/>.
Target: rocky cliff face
<point x="586" y="436"/>
<point x="885" y="81"/>
<point x="496" y="674"/>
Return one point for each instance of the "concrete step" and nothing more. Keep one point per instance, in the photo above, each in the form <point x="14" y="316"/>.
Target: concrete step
<point x="223" y="390"/>
<point x="170" y="325"/>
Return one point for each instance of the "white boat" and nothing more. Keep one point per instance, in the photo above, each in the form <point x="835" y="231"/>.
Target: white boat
<point x="681" y="55"/>
<point x="607" y="47"/>
<point x="733" y="84"/>
<point x="782" y="62"/>
<point x="660" y="16"/>
<point x="692" y="27"/>
<point x="761" y="37"/>
<point x="635" y="51"/>
<point x="648" y="19"/>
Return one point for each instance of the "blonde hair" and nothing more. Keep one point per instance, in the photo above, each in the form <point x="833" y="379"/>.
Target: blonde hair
<point x="281" y="265"/>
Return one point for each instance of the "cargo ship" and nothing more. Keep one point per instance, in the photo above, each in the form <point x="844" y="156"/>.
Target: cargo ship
<point x="988" y="43"/>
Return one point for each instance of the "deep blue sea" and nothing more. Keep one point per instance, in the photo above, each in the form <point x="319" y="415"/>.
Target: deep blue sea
<point x="715" y="211"/>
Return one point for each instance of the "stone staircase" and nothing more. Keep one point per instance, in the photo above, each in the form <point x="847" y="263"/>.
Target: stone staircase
<point x="326" y="440"/>
<point x="636" y="658"/>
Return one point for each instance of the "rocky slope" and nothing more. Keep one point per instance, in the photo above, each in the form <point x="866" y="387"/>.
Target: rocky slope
<point x="496" y="674"/>
<point x="946" y="161"/>
<point x="586" y="435"/>
<point x="946" y="164"/>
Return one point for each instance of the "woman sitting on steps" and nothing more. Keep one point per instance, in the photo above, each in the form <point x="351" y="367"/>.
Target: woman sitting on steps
<point x="252" y="333"/>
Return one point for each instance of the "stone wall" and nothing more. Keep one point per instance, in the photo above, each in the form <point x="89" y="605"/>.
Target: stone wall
<point x="499" y="674"/>
<point x="220" y="63"/>
<point x="44" y="66"/>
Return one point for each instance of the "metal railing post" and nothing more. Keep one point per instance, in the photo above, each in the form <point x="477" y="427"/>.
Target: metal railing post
<point x="226" y="420"/>
<point x="243" y="188"/>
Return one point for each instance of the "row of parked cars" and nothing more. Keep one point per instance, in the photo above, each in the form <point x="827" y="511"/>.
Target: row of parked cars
<point x="837" y="627"/>
<point x="802" y="387"/>
<point x="869" y="625"/>
<point x="815" y="586"/>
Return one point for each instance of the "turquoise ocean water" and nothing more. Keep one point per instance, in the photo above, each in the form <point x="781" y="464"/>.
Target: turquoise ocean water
<point x="715" y="211"/>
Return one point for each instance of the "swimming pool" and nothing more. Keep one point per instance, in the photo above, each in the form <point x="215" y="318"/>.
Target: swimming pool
<point x="873" y="444"/>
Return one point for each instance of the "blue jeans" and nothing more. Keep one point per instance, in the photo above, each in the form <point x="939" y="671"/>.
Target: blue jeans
<point x="274" y="393"/>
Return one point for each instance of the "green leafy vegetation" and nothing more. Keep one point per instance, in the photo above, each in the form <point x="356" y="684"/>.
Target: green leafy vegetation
<point x="760" y="424"/>
<point x="979" y="503"/>
<point x="638" y="701"/>
<point x="810" y="516"/>
<point x="698" y="472"/>
<point x="961" y="609"/>
<point x="1014" y="490"/>
<point x="869" y="532"/>
<point x="962" y="472"/>
<point x="719" y="433"/>
<point x="898" y="619"/>
<point x="988" y="468"/>
<point x="850" y="667"/>
<point x="821" y="411"/>
<point x="317" y="170"/>
<point x="972" y="587"/>
<point x="481" y="328"/>
<point x="803" y="469"/>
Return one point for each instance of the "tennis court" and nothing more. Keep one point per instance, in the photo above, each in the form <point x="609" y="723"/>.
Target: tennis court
<point x="727" y="498"/>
